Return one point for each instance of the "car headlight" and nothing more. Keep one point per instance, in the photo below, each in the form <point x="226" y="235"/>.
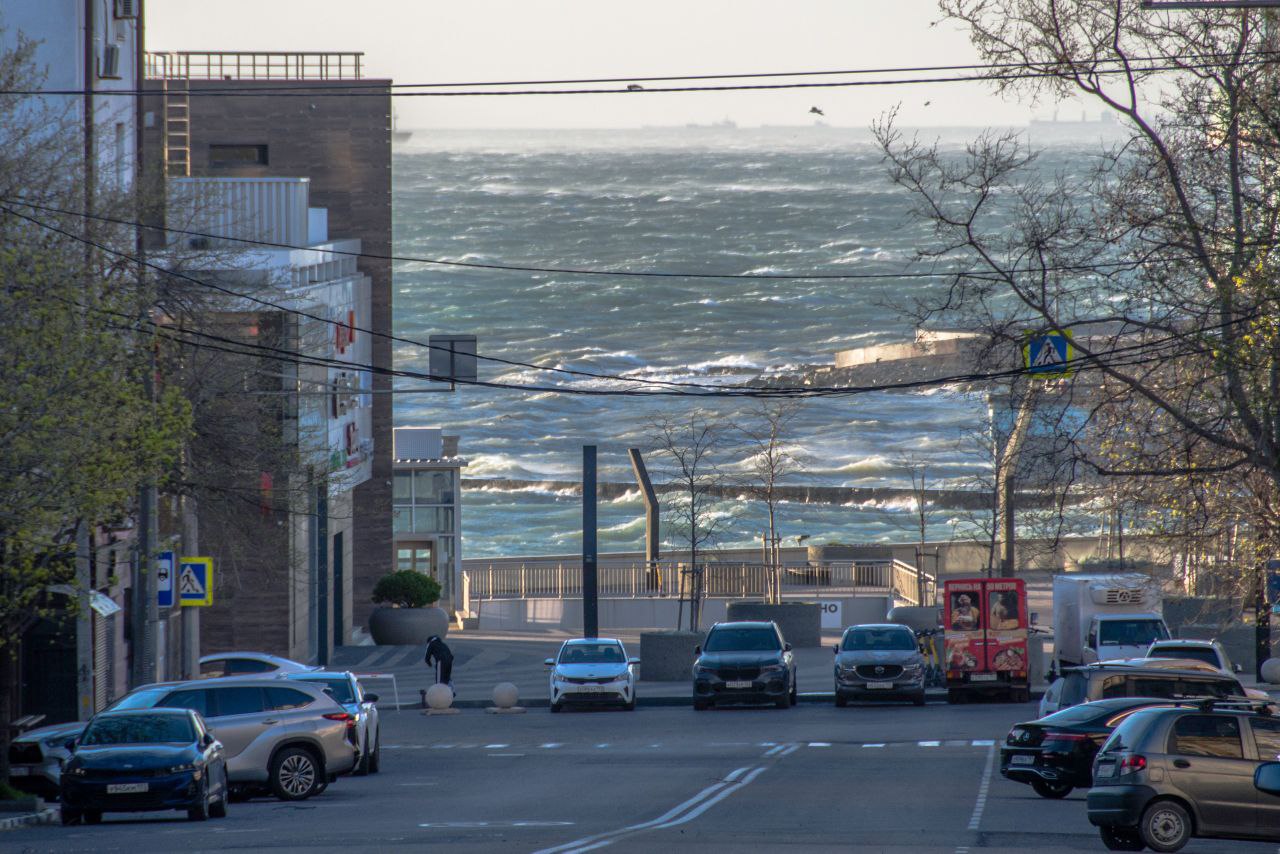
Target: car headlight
<point x="54" y="741"/>
<point x="703" y="670"/>
<point x="76" y="771"/>
<point x="185" y="767"/>
<point x="771" y="668"/>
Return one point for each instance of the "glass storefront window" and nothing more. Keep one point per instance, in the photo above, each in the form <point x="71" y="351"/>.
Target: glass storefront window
<point x="403" y="490"/>
<point x="401" y="519"/>
<point x="432" y="487"/>
<point x="433" y="520"/>
<point x="445" y="545"/>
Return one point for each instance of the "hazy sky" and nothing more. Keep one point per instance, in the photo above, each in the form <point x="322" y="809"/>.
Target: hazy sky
<point x="425" y="41"/>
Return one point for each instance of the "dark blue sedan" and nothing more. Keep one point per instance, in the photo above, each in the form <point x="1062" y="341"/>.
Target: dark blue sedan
<point x="138" y="761"/>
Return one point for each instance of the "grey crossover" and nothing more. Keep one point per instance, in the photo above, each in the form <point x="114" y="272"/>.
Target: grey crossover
<point x="344" y="687"/>
<point x="879" y="661"/>
<point x="291" y="738"/>
<point x="1168" y="775"/>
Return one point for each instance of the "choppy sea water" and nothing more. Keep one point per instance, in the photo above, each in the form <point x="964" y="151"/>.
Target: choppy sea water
<point x="758" y="201"/>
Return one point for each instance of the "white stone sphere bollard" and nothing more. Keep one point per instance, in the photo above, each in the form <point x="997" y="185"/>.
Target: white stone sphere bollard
<point x="439" y="696"/>
<point x="505" y="695"/>
<point x="1271" y="670"/>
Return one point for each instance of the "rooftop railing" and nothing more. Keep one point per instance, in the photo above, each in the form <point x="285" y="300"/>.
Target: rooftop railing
<point x="253" y="65"/>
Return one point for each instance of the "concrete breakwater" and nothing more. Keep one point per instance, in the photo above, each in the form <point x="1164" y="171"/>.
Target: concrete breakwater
<point x="960" y="499"/>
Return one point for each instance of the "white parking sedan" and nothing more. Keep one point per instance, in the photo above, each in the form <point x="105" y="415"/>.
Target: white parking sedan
<point x="593" y="672"/>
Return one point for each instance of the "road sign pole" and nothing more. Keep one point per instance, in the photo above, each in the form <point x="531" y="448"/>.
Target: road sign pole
<point x="190" y="616"/>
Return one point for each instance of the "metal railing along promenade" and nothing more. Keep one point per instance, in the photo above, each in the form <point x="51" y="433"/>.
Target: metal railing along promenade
<point x="560" y="580"/>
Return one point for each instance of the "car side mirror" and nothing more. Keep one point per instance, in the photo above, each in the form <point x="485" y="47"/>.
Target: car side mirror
<point x="1266" y="778"/>
<point x="1237" y="668"/>
<point x="786" y="647"/>
<point x="207" y="740"/>
<point x="549" y="662"/>
<point x="70" y="745"/>
<point x="633" y="661"/>
<point x="697" y="650"/>
<point x="371" y="698"/>
<point x="835" y="650"/>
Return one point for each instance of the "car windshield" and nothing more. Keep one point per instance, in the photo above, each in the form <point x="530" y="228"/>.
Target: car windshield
<point x="1131" y="632"/>
<point x="140" y="729"/>
<point x="1196" y="653"/>
<point x="865" y="639"/>
<point x="742" y="640"/>
<point x="338" y="686"/>
<point x="138" y="700"/>
<point x="592" y="653"/>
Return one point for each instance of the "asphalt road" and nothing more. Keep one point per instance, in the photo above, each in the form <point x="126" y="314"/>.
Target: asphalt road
<point x="813" y="778"/>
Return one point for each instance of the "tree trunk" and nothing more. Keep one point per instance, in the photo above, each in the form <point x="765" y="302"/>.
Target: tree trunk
<point x="8" y="701"/>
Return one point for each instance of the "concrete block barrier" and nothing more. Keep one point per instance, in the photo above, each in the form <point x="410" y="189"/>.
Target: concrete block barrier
<point x="667" y="656"/>
<point x="801" y="622"/>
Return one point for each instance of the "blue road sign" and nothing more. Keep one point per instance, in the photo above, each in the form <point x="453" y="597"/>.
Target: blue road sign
<point x="164" y="579"/>
<point x="1049" y="353"/>
<point x="195" y="581"/>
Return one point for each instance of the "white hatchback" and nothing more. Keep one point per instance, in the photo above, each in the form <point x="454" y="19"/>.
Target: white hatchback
<point x="593" y="672"/>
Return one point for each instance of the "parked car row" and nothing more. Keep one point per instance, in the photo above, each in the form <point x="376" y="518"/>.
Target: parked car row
<point x="289" y="730"/>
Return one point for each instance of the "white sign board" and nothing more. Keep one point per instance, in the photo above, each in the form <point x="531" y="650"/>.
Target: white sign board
<point x="832" y="613"/>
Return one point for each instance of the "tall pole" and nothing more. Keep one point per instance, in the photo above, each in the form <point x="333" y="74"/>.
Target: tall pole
<point x="190" y="616"/>
<point x="590" y="603"/>
<point x="84" y="625"/>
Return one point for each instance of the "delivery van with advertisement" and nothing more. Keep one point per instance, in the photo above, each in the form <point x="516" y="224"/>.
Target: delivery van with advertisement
<point x="985" y="638"/>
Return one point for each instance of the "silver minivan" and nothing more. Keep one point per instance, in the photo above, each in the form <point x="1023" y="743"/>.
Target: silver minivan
<point x="289" y="737"/>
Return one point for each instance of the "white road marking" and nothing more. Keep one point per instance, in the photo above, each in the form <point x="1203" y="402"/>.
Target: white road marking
<point x="551" y="745"/>
<point x="495" y="746"/>
<point x="881" y="744"/>
<point x="981" y="804"/>
<point x="790" y="749"/>
<point x="441" y="746"/>
<point x="480" y="824"/>
<point x="819" y="744"/>
<point x="767" y="743"/>
<point x="504" y="754"/>
<point x="602" y="746"/>
<point x="773" y="750"/>
<point x="983" y="742"/>
<point x="928" y="743"/>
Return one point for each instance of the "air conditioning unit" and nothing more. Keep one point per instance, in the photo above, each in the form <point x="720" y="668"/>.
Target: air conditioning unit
<point x="126" y="8"/>
<point x="110" y="66"/>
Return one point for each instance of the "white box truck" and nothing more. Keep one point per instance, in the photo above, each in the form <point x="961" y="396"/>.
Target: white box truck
<point x="1105" y="617"/>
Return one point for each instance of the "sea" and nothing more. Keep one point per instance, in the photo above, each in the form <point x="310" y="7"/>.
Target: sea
<point x="709" y="200"/>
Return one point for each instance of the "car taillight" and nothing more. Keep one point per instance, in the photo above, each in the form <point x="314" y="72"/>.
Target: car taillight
<point x="1014" y="734"/>
<point x="1131" y="763"/>
<point x="1066" y="736"/>
<point x="342" y="716"/>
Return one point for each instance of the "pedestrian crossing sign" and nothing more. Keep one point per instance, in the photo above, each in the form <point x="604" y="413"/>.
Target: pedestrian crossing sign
<point x="195" y="581"/>
<point x="1049" y="353"/>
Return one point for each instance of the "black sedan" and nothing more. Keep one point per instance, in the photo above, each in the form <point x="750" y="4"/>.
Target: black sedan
<point x="1055" y="753"/>
<point x="137" y="761"/>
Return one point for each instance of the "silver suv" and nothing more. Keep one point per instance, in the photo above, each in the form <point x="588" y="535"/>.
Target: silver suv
<point x="289" y="737"/>
<point x="343" y="687"/>
<point x="879" y="661"/>
<point x="1167" y="775"/>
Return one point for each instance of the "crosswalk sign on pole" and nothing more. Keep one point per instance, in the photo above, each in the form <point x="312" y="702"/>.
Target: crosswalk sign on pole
<point x="1049" y="354"/>
<point x="195" y="581"/>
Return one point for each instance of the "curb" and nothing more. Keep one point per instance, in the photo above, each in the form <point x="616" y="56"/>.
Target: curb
<point x="811" y="698"/>
<point x="45" y="816"/>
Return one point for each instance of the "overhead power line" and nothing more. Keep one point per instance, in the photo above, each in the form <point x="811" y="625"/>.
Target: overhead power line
<point x="997" y="72"/>
<point x="1117" y="265"/>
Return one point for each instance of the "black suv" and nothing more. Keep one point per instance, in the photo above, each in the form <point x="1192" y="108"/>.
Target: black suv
<point x="744" y="662"/>
<point x="1167" y="775"/>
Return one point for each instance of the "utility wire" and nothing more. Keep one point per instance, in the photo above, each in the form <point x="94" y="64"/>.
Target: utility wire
<point x="572" y="271"/>
<point x="1055" y="70"/>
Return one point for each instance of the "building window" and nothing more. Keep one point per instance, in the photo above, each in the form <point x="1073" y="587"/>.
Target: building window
<point x="402" y="492"/>
<point x="432" y="487"/>
<point x="415" y="556"/>
<point x="238" y="155"/>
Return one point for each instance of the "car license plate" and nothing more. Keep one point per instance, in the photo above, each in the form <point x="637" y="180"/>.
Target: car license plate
<point x="982" y="677"/>
<point x="738" y="683"/>
<point x="589" y="689"/>
<point x="882" y="686"/>
<point x="125" y="788"/>
<point x="19" y="771"/>
<point x="1106" y="769"/>
<point x="1022" y="759"/>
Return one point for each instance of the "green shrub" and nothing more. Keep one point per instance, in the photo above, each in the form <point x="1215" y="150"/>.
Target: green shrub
<point x="406" y="589"/>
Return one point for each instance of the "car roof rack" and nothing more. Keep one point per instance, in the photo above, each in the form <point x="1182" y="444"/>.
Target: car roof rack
<point x="1242" y="704"/>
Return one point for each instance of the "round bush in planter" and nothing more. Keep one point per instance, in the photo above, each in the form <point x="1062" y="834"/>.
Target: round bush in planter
<point x="409" y="615"/>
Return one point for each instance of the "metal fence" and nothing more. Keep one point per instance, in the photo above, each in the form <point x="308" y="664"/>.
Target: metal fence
<point x="556" y="580"/>
<point x="254" y="65"/>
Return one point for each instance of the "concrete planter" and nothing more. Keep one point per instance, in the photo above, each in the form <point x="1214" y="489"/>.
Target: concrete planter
<point x="667" y="656"/>
<point x="801" y="622"/>
<point x="407" y="626"/>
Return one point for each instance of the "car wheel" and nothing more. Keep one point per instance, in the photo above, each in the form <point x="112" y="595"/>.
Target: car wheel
<point x="375" y="761"/>
<point x="239" y="794"/>
<point x="70" y="816"/>
<point x="1049" y="789"/>
<point x="1122" y="839"/>
<point x="218" y="809"/>
<point x="93" y="816"/>
<point x="956" y="697"/>
<point x="200" y="812"/>
<point x="841" y="700"/>
<point x="1165" y="826"/>
<point x="783" y="702"/>
<point x="630" y="705"/>
<point x="918" y="699"/>
<point x="295" y="775"/>
<point x="701" y="705"/>
<point x="556" y="708"/>
<point x="795" y="697"/>
<point x="362" y="767"/>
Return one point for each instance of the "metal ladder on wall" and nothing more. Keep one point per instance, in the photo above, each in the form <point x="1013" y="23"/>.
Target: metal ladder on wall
<point x="177" y="127"/>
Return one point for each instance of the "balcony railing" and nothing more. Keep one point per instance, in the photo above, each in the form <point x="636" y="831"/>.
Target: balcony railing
<point x="253" y="65"/>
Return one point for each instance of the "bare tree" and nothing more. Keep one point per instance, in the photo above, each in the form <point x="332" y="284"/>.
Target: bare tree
<point x="770" y="461"/>
<point x="1159" y="256"/>
<point x="688" y="450"/>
